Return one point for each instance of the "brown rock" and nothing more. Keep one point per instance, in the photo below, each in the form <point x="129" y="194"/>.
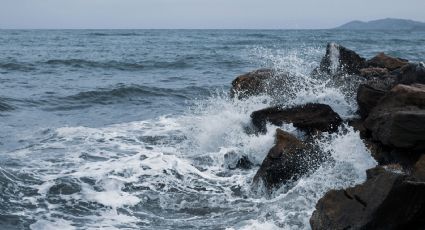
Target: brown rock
<point x="309" y="117"/>
<point x="339" y="59"/>
<point x="287" y="160"/>
<point x="367" y="98"/>
<point x="399" y="118"/>
<point x="373" y="72"/>
<point x="387" y="200"/>
<point x="411" y="74"/>
<point x="384" y="61"/>
<point x="262" y="81"/>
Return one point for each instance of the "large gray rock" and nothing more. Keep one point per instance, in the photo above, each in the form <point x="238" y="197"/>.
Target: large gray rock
<point x="387" y="200"/>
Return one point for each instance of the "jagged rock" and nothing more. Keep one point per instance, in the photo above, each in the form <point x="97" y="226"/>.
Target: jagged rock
<point x="367" y="98"/>
<point x="309" y="117"/>
<point x="287" y="160"/>
<point x="384" y="61"/>
<point x="388" y="199"/>
<point x="339" y="59"/>
<point x="412" y="73"/>
<point x="399" y="118"/>
<point x="373" y="72"/>
<point x="262" y="81"/>
<point x="370" y="92"/>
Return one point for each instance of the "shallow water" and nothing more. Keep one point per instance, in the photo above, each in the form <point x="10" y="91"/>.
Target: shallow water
<point x="128" y="129"/>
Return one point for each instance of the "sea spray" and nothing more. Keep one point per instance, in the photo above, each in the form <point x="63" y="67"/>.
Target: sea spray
<point x="171" y="171"/>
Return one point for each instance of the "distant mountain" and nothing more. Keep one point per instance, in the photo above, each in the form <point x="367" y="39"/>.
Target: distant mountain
<point x="384" y="24"/>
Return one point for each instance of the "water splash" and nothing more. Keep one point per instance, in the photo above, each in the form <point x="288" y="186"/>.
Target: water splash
<point x="334" y="57"/>
<point x="172" y="171"/>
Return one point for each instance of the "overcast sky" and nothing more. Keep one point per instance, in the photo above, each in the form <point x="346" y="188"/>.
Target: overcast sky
<point x="241" y="14"/>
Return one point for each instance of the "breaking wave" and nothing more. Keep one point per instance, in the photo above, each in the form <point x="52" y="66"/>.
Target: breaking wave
<point x="173" y="171"/>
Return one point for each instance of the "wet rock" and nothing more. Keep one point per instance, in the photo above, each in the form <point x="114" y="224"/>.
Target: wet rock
<point x="287" y="160"/>
<point x="370" y="92"/>
<point x="373" y="72"/>
<point x="384" y="61"/>
<point x="262" y="81"/>
<point x="388" y="199"/>
<point x="234" y="161"/>
<point x="411" y="74"/>
<point x="310" y="117"/>
<point x="65" y="186"/>
<point x="339" y="59"/>
<point x="367" y="98"/>
<point x="386" y="155"/>
<point x="399" y="118"/>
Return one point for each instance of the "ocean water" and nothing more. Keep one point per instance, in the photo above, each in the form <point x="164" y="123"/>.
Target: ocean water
<point x="129" y="129"/>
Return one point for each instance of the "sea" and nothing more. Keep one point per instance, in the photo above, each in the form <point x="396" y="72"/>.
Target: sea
<point x="135" y="129"/>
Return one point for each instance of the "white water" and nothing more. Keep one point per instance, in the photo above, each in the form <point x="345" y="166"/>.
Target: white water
<point x="334" y="58"/>
<point x="171" y="171"/>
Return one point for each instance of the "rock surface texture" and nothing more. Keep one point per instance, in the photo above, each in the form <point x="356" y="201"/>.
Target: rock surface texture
<point x="399" y="118"/>
<point x="387" y="200"/>
<point x="309" y="117"/>
<point x="391" y="102"/>
<point x="384" y="61"/>
<point x="287" y="160"/>
<point x="340" y="59"/>
<point x="258" y="82"/>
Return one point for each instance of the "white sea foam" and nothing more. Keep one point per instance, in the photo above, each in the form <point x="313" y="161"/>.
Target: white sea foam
<point x="52" y="225"/>
<point x="172" y="171"/>
<point x="334" y="57"/>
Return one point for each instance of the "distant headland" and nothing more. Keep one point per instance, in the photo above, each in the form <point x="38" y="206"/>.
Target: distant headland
<point x="384" y="24"/>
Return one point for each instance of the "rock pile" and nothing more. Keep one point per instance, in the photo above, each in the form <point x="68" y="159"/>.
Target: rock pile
<point x="391" y="101"/>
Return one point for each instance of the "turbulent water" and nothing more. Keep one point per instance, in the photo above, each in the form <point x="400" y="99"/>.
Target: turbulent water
<point x="128" y="129"/>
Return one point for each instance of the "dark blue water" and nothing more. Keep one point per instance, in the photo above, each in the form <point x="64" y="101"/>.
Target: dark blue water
<point x="127" y="129"/>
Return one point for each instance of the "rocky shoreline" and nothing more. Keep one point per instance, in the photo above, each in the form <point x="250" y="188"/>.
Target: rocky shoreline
<point x="391" y="121"/>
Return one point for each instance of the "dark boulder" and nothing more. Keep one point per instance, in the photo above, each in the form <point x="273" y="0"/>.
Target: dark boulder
<point x="287" y="160"/>
<point x="412" y="73"/>
<point x="232" y="161"/>
<point x="339" y="59"/>
<point x="387" y="200"/>
<point x="386" y="155"/>
<point x="370" y="92"/>
<point x="399" y="118"/>
<point x="258" y="82"/>
<point x="309" y="117"/>
<point x="367" y="98"/>
<point x="384" y="61"/>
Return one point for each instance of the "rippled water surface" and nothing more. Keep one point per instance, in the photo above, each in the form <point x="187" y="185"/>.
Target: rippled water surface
<point x="128" y="129"/>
